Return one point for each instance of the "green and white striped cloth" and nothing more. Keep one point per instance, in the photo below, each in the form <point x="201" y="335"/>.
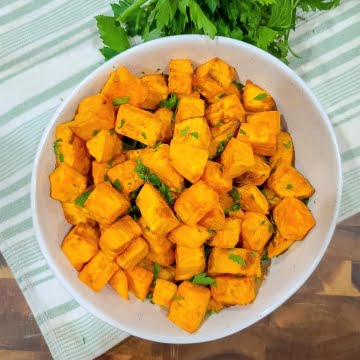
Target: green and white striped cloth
<point x="46" y="49"/>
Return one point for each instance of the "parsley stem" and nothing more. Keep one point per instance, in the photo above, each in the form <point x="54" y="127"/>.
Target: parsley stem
<point x="123" y="17"/>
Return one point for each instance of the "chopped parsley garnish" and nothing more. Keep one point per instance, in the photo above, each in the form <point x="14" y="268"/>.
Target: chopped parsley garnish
<point x="289" y="186"/>
<point x="106" y="178"/>
<point x="242" y="132"/>
<point x="196" y="88"/>
<point x="234" y="207"/>
<point x="178" y="297"/>
<point x="80" y="200"/>
<point x="120" y="100"/>
<point x="288" y="144"/>
<point x="219" y="123"/>
<point x="170" y="102"/>
<point x="222" y="95"/>
<point x="212" y="312"/>
<point x="306" y="201"/>
<point x="117" y="184"/>
<point x="95" y="132"/>
<point x="195" y="135"/>
<point x="156" y="273"/>
<point x="222" y="145"/>
<point x="134" y="212"/>
<point x="254" y="252"/>
<point x="235" y="195"/>
<point x="157" y="144"/>
<point x="112" y="132"/>
<point x="239" y="85"/>
<point x="57" y="151"/>
<point x="143" y="135"/>
<point x="110" y="163"/>
<point x="202" y="279"/>
<point x="238" y="259"/>
<point x="122" y="122"/>
<point x="178" y="217"/>
<point x="260" y="96"/>
<point x="270" y="228"/>
<point x="184" y="131"/>
<point x="211" y="231"/>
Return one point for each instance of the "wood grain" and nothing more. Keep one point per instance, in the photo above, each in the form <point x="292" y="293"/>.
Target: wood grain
<point x="321" y="321"/>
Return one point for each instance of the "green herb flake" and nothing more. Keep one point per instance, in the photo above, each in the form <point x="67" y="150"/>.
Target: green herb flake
<point x="222" y="167"/>
<point x="306" y="201"/>
<point x="212" y="312"/>
<point x="80" y="200"/>
<point x="95" y="132"/>
<point x="242" y="132"/>
<point x="157" y="144"/>
<point x="288" y="144"/>
<point x="235" y="195"/>
<point x="110" y="163"/>
<point x="178" y="217"/>
<point x="117" y="184"/>
<point x="143" y="135"/>
<point x="120" y="100"/>
<point x="261" y="96"/>
<point x="57" y="150"/>
<point x="184" y="131"/>
<point x="122" y="122"/>
<point x="202" y="279"/>
<point x="196" y="88"/>
<point x="147" y="228"/>
<point x="157" y="269"/>
<point x="112" y="132"/>
<point x="270" y="228"/>
<point x="178" y="298"/>
<point x="237" y="259"/>
<point x="289" y="186"/>
<point x="219" y="123"/>
<point x="106" y="178"/>
<point x="222" y="95"/>
<point x="264" y="257"/>
<point x="170" y="103"/>
<point x="239" y="85"/>
<point x="149" y="296"/>
<point x="254" y="252"/>
<point x="195" y="135"/>
<point x="262" y="222"/>
<point x="61" y="157"/>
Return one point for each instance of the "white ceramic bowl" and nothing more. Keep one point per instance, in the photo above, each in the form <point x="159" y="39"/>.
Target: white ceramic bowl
<point x="317" y="157"/>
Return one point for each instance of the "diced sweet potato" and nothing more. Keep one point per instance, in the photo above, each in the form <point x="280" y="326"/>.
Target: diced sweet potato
<point x="138" y="124"/>
<point x="105" y="204"/>
<point x="163" y="258"/>
<point x="237" y="158"/>
<point x="271" y="197"/>
<point x="81" y="244"/>
<point x="122" y="83"/>
<point x="133" y="254"/>
<point x="195" y="202"/>
<point x="267" y="119"/>
<point x="257" y="99"/>
<point x="104" y="145"/>
<point x="189" y="261"/>
<point x="139" y="281"/>
<point x="256" y="175"/>
<point x="155" y="211"/>
<point x="189" y="306"/>
<point x="63" y="131"/>
<point x="119" y="282"/>
<point x="278" y="245"/>
<point x="100" y="169"/>
<point x="234" y="261"/>
<point x="252" y="199"/>
<point x="194" y="94"/>
<point x="98" y="271"/>
<point x="157" y="90"/>
<point x="75" y="214"/>
<point x="135" y="154"/>
<point x="214" y="219"/>
<point x="231" y="290"/>
<point x="167" y="273"/>
<point x="214" y="306"/>
<point x="189" y="161"/>
<point x="286" y="181"/>
<point x="164" y="292"/>
<point x="189" y="107"/>
<point x="221" y="134"/>
<point x="229" y="236"/>
<point x="180" y="76"/>
<point x="66" y="183"/>
<point x="190" y="236"/>
<point x="194" y="131"/>
<point x="215" y="178"/>
<point x="94" y="113"/>
<point x="284" y="149"/>
<point x="165" y="116"/>
<point x="228" y="108"/>
<point x="256" y="230"/>
<point x="293" y="219"/>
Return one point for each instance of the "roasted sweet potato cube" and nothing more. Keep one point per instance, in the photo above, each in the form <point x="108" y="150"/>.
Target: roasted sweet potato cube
<point x="189" y="161"/>
<point x="195" y="202"/>
<point x="229" y="236"/>
<point x="293" y="219"/>
<point x="235" y="261"/>
<point x="278" y="245"/>
<point x="165" y="116"/>
<point x="190" y="236"/>
<point x="63" y="131"/>
<point x="155" y="211"/>
<point x="189" y="261"/>
<point x="164" y="292"/>
<point x="66" y="183"/>
<point x="256" y="175"/>
<point x="228" y="108"/>
<point x="81" y="244"/>
<point x="271" y="197"/>
<point x="122" y="83"/>
<point x="215" y="178"/>
<point x="139" y="281"/>
<point x="257" y="99"/>
<point x="157" y="90"/>
<point x="231" y="290"/>
<point x="286" y="181"/>
<point x="120" y="284"/>
<point x="252" y="199"/>
<point x="214" y="306"/>
<point x="189" y="107"/>
<point x="189" y="306"/>
<point x="256" y="230"/>
<point x="94" y="113"/>
<point x="180" y="76"/>
<point x="194" y="131"/>
<point x="194" y="94"/>
<point x="226" y="203"/>
<point x="98" y="271"/>
<point x="214" y="219"/>
<point x="284" y="149"/>
<point x="100" y="169"/>
<point x="75" y="214"/>
<point x="163" y="258"/>
<point x="237" y="158"/>
<point x="167" y="273"/>
<point x="133" y="254"/>
<point x="267" y="119"/>
<point x="104" y="145"/>
<point x="105" y="204"/>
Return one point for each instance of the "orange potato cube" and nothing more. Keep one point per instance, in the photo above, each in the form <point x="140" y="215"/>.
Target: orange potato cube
<point x="165" y="116"/>
<point x="98" y="271"/>
<point x="105" y="204"/>
<point x="214" y="306"/>
<point x="215" y="178"/>
<point x="189" y="107"/>
<point x="235" y="261"/>
<point x="256" y="230"/>
<point x="120" y="284"/>
<point x="75" y="214"/>
<point x="100" y="169"/>
<point x="93" y="114"/>
<point x="122" y="83"/>
<point x="167" y="273"/>
<point x="278" y="245"/>
<point x="257" y="99"/>
<point x="157" y="90"/>
<point x="189" y="261"/>
<point x="163" y="258"/>
<point x="194" y="94"/>
<point x="180" y="76"/>
<point x="151" y="205"/>
<point x="214" y="219"/>
<point x="133" y="254"/>
<point x="164" y="292"/>
<point x="228" y="108"/>
<point x="231" y="290"/>
<point x="81" y="244"/>
<point x="189" y="306"/>
<point x="104" y="145"/>
<point x="271" y="197"/>
<point x="229" y="236"/>
<point x="252" y="199"/>
<point x="284" y="150"/>
<point x="139" y="281"/>
<point x="267" y="119"/>
<point x="237" y="158"/>
<point x="63" y="131"/>
<point x="66" y="183"/>
<point x="190" y="236"/>
<point x="286" y="181"/>
<point x="293" y="219"/>
<point x="180" y="155"/>
<point x="256" y="175"/>
<point x="195" y="202"/>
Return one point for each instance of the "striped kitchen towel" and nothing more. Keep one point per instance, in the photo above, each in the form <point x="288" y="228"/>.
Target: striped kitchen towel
<point x="47" y="48"/>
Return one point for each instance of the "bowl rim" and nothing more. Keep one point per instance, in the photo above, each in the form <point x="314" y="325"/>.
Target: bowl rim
<point x="291" y="289"/>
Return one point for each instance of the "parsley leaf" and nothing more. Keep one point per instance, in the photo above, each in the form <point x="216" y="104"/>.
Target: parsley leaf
<point x="120" y="100"/>
<point x="239" y="85"/>
<point x="237" y="259"/>
<point x="134" y="212"/>
<point x="156" y="273"/>
<point x="117" y="184"/>
<point x="57" y="151"/>
<point x="242" y="132"/>
<point x="143" y="135"/>
<point x="195" y="135"/>
<point x="95" y="132"/>
<point x="178" y="297"/>
<point x="202" y="279"/>
<point x="260" y="96"/>
<point x="170" y="102"/>
<point x="288" y="144"/>
<point x="80" y="200"/>
<point x="122" y="122"/>
<point x="184" y="131"/>
<point x="289" y="186"/>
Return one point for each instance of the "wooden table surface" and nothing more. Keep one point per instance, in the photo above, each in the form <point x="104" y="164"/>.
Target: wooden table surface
<point x="321" y="321"/>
